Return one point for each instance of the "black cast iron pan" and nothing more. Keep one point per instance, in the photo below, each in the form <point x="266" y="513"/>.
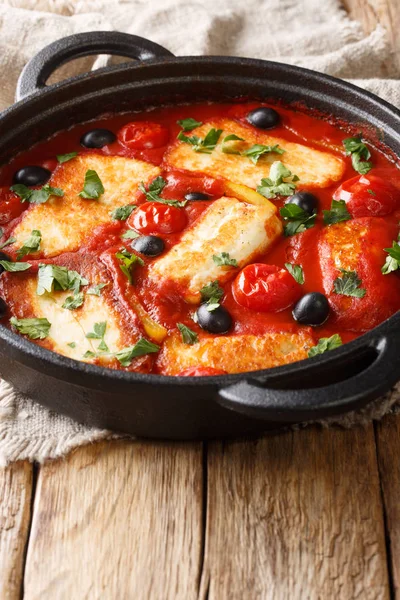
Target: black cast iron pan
<point x="184" y="407"/>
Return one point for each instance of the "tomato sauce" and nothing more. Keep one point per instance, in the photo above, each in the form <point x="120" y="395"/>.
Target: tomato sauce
<point x="165" y="302"/>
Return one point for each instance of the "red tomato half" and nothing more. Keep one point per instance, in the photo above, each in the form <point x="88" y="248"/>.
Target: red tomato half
<point x="200" y="372"/>
<point x="266" y="288"/>
<point x="10" y="206"/>
<point x="180" y="184"/>
<point x="368" y="196"/>
<point x="140" y="135"/>
<point x="155" y="217"/>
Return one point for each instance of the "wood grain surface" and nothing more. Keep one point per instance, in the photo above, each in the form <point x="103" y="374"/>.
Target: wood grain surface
<point x="117" y="521"/>
<point x="15" y="512"/>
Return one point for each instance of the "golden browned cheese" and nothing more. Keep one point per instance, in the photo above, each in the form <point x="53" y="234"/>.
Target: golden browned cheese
<point x="66" y="222"/>
<point x="236" y="353"/>
<point x="313" y="167"/>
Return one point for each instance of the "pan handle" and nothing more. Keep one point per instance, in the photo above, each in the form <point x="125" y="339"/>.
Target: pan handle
<point x="44" y="63"/>
<point x="286" y="401"/>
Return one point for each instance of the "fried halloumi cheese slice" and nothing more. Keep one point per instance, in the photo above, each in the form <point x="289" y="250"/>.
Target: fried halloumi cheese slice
<point x="242" y="230"/>
<point x="234" y="354"/>
<point x="66" y="222"/>
<point x="313" y="167"/>
<point x="70" y="328"/>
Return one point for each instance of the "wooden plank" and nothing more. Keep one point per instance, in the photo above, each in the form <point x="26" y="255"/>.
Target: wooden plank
<point x="118" y="520"/>
<point x="370" y="13"/>
<point x="388" y="445"/>
<point x="296" y="515"/>
<point x="15" y="511"/>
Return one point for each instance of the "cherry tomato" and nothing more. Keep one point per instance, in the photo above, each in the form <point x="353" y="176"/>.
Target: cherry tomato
<point x="368" y="196"/>
<point x="200" y="372"/>
<point x="10" y="206"/>
<point x="51" y="164"/>
<point x="140" y="135"/>
<point x="155" y="217"/>
<point x="179" y="184"/>
<point x="265" y="288"/>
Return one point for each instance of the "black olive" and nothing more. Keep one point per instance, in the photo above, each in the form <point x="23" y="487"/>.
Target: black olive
<point x="149" y="245"/>
<point x="3" y="308"/>
<point x="305" y="200"/>
<point x="4" y="256"/>
<point x="263" y="118"/>
<point x="215" y="321"/>
<point x="97" y="138"/>
<point x="193" y="196"/>
<point x="32" y="176"/>
<point x="312" y="309"/>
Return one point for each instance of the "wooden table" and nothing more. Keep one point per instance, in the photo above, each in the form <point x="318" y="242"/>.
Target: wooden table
<point x="303" y="514"/>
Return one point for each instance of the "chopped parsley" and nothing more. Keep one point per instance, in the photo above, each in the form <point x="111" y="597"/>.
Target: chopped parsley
<point x="154" y="190"/>
<point x="14" y="267"/>
<point x="41" y="196"/>
<point x="371" y="192"/>
<point x="325" y="344"/>
<point x="392" y="262"/>
<point x="128" y="261"/>
<point x="188" y="336"/>
<point x="223" y="259"/>
<point x="297" y="219"/>
<point x="206" y="145"/>
<point x="296" y="272"/>
<point x="255" y="152"/>
<point x="360" y="154"/>
<point x="35" y="329"/>
<point x="337" y="213"/>
<point x="32" y="244"/>
<point x="98" y="333"/>
<point x="95" y="290"/>
<point x="123" y="212"/>
<point x="72" y="344"/>
<point x="275" y="185"/>
<point x="229" y="148"/>
<point x="92" y="187"/>
<point x="62" y="158"/>
<point x="10" y="240"/>
<point x="74" y="301"/>
<point x="53" y="277"/>
<point x="211" y="294"/>
<point x="349" y="285"/>
<point x="130" y="235"/>
<point x="189" y="124"/>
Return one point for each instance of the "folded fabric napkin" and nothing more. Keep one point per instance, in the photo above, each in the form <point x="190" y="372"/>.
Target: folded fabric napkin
<point x="309" y="33"/>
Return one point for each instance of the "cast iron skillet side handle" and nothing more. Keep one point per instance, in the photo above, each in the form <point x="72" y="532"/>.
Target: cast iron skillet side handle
<point x="41" y="66"/>
<point x="253" y="399"/>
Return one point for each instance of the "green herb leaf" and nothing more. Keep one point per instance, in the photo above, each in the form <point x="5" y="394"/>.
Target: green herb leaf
<point x="189" y="124"/>
<point x="14" y="267"/>
<point x="337" y="213"/>
<point x="72" y="344"/>
<point x="58" y="278"/>
<point x="35" y="329"/>
<point x="281" y="182"/>
<point x="130" y="235"/>
<point x="325" y="344"/>
<point x="255" y="152"/>
<point x="212" y="294"/>
<point x="349" y="285"/>
<point x="393" y="260"/>
<point x="229" y="148"/>
<point x="298" y="220"/>
<point x="188" y="336"/>
<point x="296" y="272"/>
<point x="90" y="354"/>
<point x="41" y="196"/>
<point x="95" y="290"/>
<point x="154" y="190"/>
<point x="206" y="145"/>
<point x="142" y="347"/>
<point x="74" y="301"/>
<point x="10" y="240"/>
<point x="371" y="192"/>
<point x="99" y="330"/>
<point x="92" y="187"/>
<point x="360" y="154"/>
<point x="128" y="260"/>
<point x="62" y="158"/>
<point x="32" y="244"/>
<point x="223" y="259"/>
<point x="123" y="212"/>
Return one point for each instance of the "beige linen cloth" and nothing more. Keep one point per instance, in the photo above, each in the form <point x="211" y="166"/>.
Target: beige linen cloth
<point x="312" y="33"/>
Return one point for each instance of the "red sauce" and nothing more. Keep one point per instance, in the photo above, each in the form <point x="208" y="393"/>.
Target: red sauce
<point x="165" y="304"/>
